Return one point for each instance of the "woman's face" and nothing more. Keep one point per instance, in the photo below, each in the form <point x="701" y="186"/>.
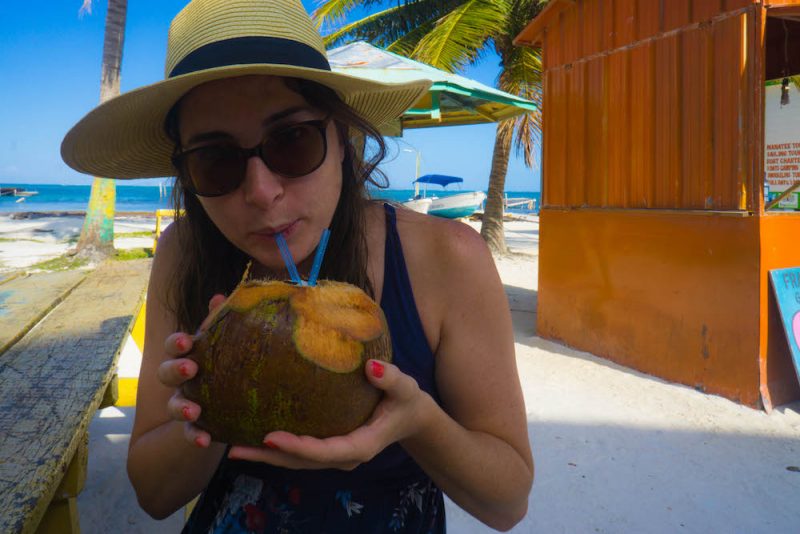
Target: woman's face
<point x="244" y="111"/>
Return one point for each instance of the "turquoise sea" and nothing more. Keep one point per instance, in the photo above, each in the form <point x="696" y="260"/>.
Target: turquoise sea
<point x="133" y="198"/>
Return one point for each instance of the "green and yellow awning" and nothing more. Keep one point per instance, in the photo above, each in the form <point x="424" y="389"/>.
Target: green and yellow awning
<point x="451" y="100"/>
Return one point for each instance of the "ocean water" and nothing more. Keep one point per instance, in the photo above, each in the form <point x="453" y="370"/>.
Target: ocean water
<point x="51" y="197"/>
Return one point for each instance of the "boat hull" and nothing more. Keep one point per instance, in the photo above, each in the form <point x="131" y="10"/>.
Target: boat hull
<point x="420" y="205"/>
<point x="457" y="206"/>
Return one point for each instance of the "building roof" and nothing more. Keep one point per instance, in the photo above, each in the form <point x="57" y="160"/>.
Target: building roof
<point x="531" y="35"/>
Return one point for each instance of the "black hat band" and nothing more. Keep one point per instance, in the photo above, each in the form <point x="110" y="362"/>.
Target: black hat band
<point x="251" y="50"/>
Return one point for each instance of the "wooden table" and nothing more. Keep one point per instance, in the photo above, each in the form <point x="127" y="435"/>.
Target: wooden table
<point x="52" y="380"/>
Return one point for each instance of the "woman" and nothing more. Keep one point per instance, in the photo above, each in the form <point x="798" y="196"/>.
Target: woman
<point x="260" y="135"/>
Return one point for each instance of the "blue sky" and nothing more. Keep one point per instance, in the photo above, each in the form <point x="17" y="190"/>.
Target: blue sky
<point x="50" y="59"/>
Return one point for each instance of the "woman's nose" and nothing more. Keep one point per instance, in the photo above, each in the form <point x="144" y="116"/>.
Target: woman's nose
<point x="261" y="186"/>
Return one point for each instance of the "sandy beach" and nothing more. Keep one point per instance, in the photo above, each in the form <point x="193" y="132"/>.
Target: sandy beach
<point x="616" y="451"/>
<point x="29" y="238"/>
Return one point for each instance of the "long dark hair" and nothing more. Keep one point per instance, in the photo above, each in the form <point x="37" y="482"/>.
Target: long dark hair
<point x="211" y="264"/>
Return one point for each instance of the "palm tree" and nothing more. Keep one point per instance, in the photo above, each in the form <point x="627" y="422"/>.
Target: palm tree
<point x="97" y="235"/>
<point x="450" y="35"/>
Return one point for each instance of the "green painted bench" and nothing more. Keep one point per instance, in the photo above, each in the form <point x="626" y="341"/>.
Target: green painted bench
<point x="61" y="350"/>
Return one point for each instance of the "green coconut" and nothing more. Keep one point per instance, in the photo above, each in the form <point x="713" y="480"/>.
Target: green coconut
<point x="278" y="356"/>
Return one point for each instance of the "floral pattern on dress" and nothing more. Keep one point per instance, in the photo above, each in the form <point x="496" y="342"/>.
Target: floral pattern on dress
<point x="347" y="502"/>
<point x="413" y="494"/>
<point x="251" y="505"/>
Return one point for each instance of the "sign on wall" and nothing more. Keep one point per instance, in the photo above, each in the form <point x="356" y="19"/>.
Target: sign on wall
<point x="782" y="150"/>
<point x="786" y="284"/>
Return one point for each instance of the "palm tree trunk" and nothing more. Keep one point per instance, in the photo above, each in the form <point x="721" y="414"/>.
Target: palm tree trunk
<point x="492" y="225"/>
<point x="97" y="235"/>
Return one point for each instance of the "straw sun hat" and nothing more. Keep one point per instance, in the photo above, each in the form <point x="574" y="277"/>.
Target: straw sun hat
<point x="208" y="40"/>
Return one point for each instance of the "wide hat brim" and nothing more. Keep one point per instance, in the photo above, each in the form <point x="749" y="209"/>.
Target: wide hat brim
<point x="124" y="137"/>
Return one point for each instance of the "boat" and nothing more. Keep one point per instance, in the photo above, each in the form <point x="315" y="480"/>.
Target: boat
<point x="449" y="206"/>
<point x="421" y="205"/>
<point x="16" y="192"/>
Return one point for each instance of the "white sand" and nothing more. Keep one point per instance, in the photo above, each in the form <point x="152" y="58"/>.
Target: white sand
<point x="616" y="451"/>
<point x="25" y="242"/>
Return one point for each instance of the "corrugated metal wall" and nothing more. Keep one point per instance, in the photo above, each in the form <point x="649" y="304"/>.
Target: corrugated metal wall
<point x="653" y="104"/>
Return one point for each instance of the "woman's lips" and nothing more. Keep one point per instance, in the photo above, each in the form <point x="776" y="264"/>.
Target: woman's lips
<point x="285" y="229"/>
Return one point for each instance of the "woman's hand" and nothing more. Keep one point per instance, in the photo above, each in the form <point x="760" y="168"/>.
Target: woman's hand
<point x="400" y="414"/>
<point x="175" y="371"/>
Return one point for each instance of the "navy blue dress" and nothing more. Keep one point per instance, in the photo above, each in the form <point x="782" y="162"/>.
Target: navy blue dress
<point x="388" y="494"/>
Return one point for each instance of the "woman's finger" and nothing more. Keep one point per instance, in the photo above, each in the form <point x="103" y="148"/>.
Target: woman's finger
<point x="214" y="303"/>
<point x="181" y="409"/>
<point x="173" y="373"/>
<point x="195" y="435"/>
<point x="391" y="379"/>
<point x="342" y="452"/>
<point x="274" y="456"/>
<point x="178" y="344"/>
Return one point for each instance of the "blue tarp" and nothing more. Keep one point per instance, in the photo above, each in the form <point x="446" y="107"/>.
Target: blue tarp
<point x="438" y="179"/>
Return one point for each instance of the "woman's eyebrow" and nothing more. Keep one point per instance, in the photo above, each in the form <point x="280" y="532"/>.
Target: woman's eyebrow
<point x="288" y="112"/>
<point x="215" y="135"/>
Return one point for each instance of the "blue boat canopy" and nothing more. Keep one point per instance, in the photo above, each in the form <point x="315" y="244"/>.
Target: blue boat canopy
<point x="438" y="179"/>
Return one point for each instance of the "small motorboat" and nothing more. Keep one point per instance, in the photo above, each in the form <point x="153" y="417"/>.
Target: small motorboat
<point x="448" y="206"/>
<point x="421" y="205"/>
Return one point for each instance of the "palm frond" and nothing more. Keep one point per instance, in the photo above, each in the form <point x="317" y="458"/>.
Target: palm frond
<point x="459" y="36"/>
<point x="522" y="76"/>
<point x="521" y="12"/>
<point x="406" y="44"/>
<point x="371" y="28"/>
<point x="522" y="72"/>
<point x="392" y="24"/>
<point x="335" y="11"/>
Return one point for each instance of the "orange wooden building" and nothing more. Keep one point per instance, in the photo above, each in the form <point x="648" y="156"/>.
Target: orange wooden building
<point x="655" y="246"/>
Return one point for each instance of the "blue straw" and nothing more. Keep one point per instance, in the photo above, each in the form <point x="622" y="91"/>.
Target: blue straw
<point x="287" y="259"/>
<point x="323" y="242"/>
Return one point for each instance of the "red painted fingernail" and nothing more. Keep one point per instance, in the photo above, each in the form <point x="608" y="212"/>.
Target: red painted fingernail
<point x="187" y="414"/>
<point x="183" y="369"/>
<point x="271" y="445"/>
<point x="181" y="343"/>
<point x="377" y="369"/>
<point x="199" y="442"/>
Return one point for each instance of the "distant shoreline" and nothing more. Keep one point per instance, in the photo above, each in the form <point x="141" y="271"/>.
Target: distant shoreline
<point x="20" y="215"/>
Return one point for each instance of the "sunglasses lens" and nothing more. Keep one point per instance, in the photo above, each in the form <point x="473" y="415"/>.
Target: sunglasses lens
<point x="295" y="151"/>
<point x="215" y="170"/>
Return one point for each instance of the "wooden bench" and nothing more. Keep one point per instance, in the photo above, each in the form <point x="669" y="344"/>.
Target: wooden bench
<point x="52" y="381"/>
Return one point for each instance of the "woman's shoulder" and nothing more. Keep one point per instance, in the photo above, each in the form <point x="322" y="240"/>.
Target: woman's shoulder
<point x="446" y="260"/>
<point x="168" y="253"/>
<point x="435" y="241"/>
<point x="169" y="241"/>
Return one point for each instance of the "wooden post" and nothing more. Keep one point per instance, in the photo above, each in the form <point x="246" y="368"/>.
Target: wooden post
<point x="61" y="516"/>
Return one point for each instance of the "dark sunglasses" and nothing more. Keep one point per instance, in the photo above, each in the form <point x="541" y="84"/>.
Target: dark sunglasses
<point x="218" y="169"/>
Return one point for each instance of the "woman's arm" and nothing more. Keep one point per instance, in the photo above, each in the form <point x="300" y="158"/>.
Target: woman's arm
<point x="477" y="448"/>
<point x="165" y="467"/>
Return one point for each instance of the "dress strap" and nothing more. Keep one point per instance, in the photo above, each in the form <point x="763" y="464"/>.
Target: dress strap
<point x="411" y="349"/>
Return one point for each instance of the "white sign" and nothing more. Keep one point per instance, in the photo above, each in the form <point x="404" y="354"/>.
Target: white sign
<point x="782" y="135"/>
